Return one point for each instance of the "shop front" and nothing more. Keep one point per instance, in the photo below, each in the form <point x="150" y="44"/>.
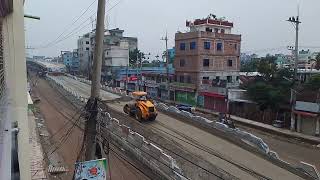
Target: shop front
<point x="214" y="101"/>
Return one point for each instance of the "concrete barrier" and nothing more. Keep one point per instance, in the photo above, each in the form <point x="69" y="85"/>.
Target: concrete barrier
<point x="309" y="169"/>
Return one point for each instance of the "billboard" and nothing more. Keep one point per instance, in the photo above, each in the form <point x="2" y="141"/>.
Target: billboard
<point x="93" y="170"/>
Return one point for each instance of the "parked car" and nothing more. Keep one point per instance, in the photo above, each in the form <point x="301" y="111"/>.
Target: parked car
<point x="188" y="108"/>
<point x="278" y="123"/>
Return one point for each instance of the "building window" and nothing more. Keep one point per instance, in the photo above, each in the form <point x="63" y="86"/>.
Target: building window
<point x="237" y="78"/>
<point x="219" y="46"/>
<point x="205" y="78"/>
<point x="188" y="79"/>
<point x="182" y="79"/>
<point x="236" y="46"/>
<point x="87" y="42"/>
<point x="208" y="29"/>
<point x="217" y="78"/>
<point x="229" y="79"/>
<point x="193" y="45"/>
<point x="230" y="63"/>
<point x="182" y="62"/>
<point x="206" y="45"/>
<point x="182" y="46"/>
<point x="222" y="31"/>
<point x="206" y="62"/>
<point x="87" y="49"/>
<point x="216" y="30"/>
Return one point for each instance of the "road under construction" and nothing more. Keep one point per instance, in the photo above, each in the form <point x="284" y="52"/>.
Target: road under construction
<point x="203" y="146"/>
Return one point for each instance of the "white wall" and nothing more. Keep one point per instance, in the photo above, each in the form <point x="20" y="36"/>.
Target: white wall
<point x="117" y="56"/>
<point x="16" y="82"/>
<point x="203" y="28"/>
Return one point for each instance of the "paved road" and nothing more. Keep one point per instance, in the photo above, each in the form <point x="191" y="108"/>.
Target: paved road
<point x="56" y="110"/>
<point x="183" y="133"/>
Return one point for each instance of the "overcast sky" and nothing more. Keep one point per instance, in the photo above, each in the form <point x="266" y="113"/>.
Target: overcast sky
<point x="260" y="22"/>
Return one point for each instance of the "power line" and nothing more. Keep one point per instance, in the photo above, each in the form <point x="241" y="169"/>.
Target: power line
<point x="76" y="30"/>
<point x="76" y="20"/>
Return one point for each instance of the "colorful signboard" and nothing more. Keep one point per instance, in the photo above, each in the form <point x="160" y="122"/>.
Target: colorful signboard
<point x="93" y="170"/>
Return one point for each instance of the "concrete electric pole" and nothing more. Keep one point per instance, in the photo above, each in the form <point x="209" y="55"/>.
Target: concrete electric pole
<point x="167" y="65"/>
<point x="295" y="22"/>
<point x="92" y="104"/>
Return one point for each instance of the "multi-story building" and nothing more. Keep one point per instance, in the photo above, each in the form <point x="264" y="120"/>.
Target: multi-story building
<point x="115" y="57"/>
<point x="84" y="51"/>
<point x="113" y="41"/>
<point x="207" y="62"/>
<point x="71" y="61"/>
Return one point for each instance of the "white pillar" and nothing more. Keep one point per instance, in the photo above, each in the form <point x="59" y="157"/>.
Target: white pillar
<point x="16" y="80"/>
<point x="317" y="127"/>
<point x="299" y="123"/>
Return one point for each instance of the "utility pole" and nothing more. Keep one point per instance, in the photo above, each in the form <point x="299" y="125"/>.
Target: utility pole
<point x="92" y="104"/>
<point x="167" y="65"/>
<point x="126" y="87"/>
<point x="138" y="85"/>
<point x="295" y="22"/>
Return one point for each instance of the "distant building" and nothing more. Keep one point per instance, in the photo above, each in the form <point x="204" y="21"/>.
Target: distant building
<point x="172" y="54"/>
<point x="38" y="58"/>
<point x="207" y="61"/>
<point x="71" y="61"/>
<point x="84" y="52"/>
<point x="307" y="118"/>
<point x="113" y="42"/>
<point x="115" y="58"/>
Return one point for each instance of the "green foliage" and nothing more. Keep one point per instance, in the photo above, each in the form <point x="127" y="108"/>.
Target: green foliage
<point x="314" y="82"/>
<point x="272" y="89"/>
<point x="267" y="67"/>
<point x="135" y="57"/>
<point x="266" y="95"/>
<point x="249" y="66"/>
<point x="318" y="62"/>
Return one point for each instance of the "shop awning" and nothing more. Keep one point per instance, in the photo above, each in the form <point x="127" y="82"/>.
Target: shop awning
<point x="303" y="113"/>
<point x="210" y="94"/>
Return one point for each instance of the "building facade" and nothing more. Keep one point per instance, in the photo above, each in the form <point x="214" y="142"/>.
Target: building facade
<point x="84" y="51"/>
<point x="15" y="146"/>
<point x="207" y="62"/>
<point x="72" y="61"/>
<point x="114" y="43"/>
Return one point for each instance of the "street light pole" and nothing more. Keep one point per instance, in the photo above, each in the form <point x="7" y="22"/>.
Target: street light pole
<point x="295" y="22"/>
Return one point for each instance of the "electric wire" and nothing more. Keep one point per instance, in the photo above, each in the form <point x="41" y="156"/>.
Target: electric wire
<point x="76" y="30"/>
<point x="76" y="20"/>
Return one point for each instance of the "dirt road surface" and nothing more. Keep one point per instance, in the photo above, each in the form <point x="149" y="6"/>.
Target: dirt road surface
<point x="56" y="111"/>
<point x="290" y="150"/>
<point x="173" y="128"/>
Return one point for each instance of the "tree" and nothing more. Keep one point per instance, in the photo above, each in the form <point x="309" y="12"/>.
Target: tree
<point x="314" y="82"/>
<point x="318" y="62"/>
<point x="267" y="67"/>
<point x="135" y="57"/>
<point x="250" y="65"/>
<point x="272" y="88"/>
